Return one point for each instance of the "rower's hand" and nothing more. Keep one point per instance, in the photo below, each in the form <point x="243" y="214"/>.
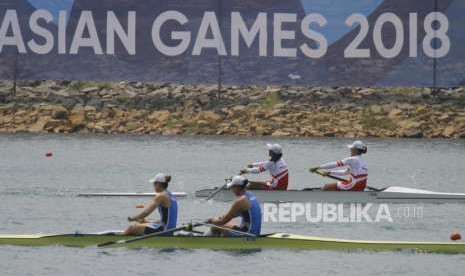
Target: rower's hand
<point x="314" y="170"/>
<point x="324" y="173"/>
<point x="131" y="219"/>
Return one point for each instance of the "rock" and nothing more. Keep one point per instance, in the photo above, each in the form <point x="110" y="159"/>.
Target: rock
<point x="449" y="131"/>
<point x="238" y="108"/>
<point x="52" y="124"/>
<point x="204" y="99"/>
<point x="280" y="133"/>
<point x="88" y="108"/>
<point x="444" y="118"/>
<point x="408" y="124"/>
<point x="406" y="107"/>
<point x="61" y="93"/>
<point x="39" y="125"/>
<point x="102" y="127"/>
<point x="77" y="119"/>
<point x="92" y="89"/>
<point x="209" y="116"/>
<point x="172" y="131"/>
<point x="128" y="94"/>
<point x="131" y="126"/>
<point x="366" y="91"/>
<point x="376" y="109"/>
<point x="413" y="133"/>
<point x="60" y="112"/>
<point x="421" y="109"/>
<point x="395" y="113"/>
<point x="160" y="116"/>
<point x="203" y="123"/>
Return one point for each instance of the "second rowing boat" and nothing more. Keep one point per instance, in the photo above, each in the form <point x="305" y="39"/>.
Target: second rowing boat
<point x="272" y="241"/>
<point x="393" y="194"/>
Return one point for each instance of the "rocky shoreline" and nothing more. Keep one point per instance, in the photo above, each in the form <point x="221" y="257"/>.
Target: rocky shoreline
<point x="168" y="109"/>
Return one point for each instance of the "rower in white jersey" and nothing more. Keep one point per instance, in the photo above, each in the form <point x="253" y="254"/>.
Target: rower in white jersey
<point x="354" y="167"/>
<point x="167" y="207"/>
<point x="277" y="168"/>
<point x="245" y="206"/>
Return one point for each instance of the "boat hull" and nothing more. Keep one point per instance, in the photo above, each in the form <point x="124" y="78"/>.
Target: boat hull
<point x="395" y="195"/>
<point x="274" y="241"/>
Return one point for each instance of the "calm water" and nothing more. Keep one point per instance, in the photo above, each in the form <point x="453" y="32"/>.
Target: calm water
<point x="37" y="194"/>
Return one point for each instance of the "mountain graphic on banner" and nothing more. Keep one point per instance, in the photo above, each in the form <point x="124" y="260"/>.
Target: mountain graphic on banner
<point x="54" y="6"/>
<point x="336" y="11"/>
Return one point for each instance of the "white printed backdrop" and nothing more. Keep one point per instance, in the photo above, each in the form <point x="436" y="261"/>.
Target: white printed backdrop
<point x="292" y="42"/>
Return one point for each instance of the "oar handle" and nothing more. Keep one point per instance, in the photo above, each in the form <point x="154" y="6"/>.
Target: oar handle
<point x="188" y="226"/>
<point x="322" y="173"/>
<point x="245" y="234"/>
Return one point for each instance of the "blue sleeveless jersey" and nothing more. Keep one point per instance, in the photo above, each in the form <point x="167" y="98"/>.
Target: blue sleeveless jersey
<point x="252" y="218"/>
<point x="169" y="216"/>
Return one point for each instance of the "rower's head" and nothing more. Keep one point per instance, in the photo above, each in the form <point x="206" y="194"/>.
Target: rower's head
<point x="238" y="185"/>
<point x="160" y="182"/>
<point x="275" y="151"/>
<point x="357" y="148"/>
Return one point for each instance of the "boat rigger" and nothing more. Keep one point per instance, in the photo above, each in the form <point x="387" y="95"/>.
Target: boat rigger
<point x="272" y="241"/>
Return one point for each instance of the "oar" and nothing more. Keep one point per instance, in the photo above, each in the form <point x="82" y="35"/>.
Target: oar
<point x="189" y="226"/>
<point x="320" y="172"/>
<point x="227" y="229"/>
<point x="217" y="190"/>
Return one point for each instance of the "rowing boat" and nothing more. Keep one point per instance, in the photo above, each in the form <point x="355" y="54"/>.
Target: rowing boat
<point x="392" y="194"/>
<point x="272" y="241"/>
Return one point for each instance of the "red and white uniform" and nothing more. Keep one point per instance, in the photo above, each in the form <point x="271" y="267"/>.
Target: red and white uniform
<point x="355" y="167"/>
<point x="278" y="171"/>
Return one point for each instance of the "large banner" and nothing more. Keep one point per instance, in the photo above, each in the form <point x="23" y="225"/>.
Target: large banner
<point x="284" y="42"/>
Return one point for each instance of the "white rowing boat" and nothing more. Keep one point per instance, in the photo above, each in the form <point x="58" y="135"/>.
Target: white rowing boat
<point x="388" y="195"/>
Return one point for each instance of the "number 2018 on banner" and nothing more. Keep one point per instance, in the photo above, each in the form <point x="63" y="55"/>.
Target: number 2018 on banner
<point x="435" y="25"/>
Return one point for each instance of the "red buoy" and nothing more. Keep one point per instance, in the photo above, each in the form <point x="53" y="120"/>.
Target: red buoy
<point x="455" y="236"/>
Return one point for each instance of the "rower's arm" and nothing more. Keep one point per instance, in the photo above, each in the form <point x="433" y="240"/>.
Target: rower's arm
<point x="148" y="210"/>
<point x="253" y="170"/>
<point x="232" y="213"/>
<point x="258" y="164"/>
<point x="336" y="164"/>
<point x="340" y="172"/>
<point x="257" y="167"/>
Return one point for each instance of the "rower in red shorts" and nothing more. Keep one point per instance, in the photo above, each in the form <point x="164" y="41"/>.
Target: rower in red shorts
<point x="277" y="168"/>
<point x="353" y="166"/>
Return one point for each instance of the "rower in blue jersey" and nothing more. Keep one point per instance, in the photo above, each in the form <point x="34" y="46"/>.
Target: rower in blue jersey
<point x="167" y="207"/>
<point x="245" y="206"/>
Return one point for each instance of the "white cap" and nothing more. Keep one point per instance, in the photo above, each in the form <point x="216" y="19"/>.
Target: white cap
<point x="237" y="181"/>
<point x="161" y="177"/>
<point x="276" y="148"/>
<point x="357" y="145"/>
